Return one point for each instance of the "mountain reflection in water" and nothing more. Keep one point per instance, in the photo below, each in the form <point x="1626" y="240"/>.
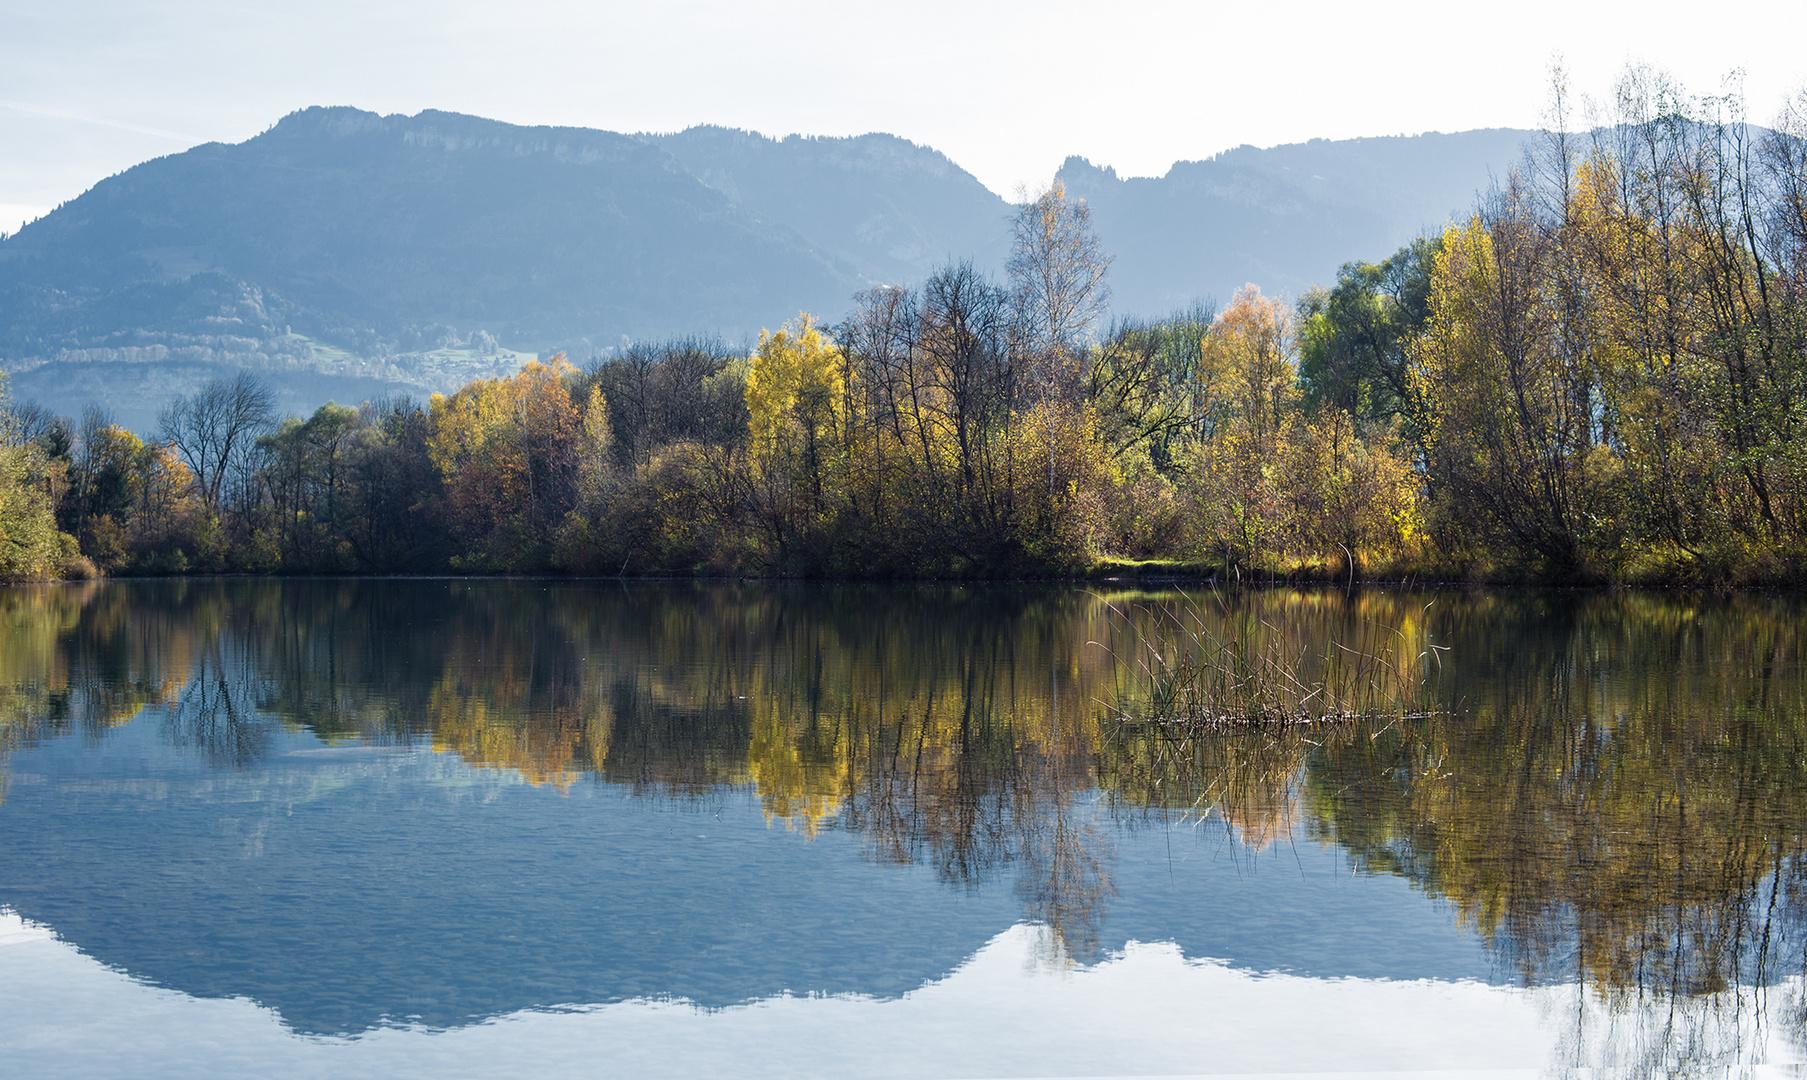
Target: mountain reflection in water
<point x="1611" y="791"/>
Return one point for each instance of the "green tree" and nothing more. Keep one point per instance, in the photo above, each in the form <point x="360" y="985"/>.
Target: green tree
<point x="1353" y="337"/>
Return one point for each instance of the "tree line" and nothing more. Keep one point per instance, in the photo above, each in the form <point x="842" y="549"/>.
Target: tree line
<point x="1599" y="375"/>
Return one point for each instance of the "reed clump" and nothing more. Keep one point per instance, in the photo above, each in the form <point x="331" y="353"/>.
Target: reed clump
<point x="1198" y="662"/>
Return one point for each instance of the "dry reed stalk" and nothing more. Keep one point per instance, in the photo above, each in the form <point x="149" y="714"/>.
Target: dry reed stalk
<point x="1185" y="672"/>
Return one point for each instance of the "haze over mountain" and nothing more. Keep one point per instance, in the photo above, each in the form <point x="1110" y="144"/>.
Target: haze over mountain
<point x="346" y="254"/>
<point x="1283" y="218"/>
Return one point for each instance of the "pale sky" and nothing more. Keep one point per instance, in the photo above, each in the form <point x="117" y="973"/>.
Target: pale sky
<point x="1007" y="90"/>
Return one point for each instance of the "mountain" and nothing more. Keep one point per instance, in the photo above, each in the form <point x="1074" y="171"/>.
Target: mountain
<point x="1284" y="218"/>
<point x="357" y="254"/>
<point x="894" y="210"/>
<point x="345" y="254"/>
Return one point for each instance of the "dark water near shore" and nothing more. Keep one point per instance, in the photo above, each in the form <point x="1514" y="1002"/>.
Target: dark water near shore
<point x="399" y="813"/>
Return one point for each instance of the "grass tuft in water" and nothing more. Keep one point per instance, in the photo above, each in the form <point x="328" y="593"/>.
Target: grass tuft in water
<point x="1197" y="663"/>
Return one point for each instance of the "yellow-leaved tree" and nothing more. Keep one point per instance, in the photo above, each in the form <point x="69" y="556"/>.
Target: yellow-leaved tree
<point x="1505" y="373"/>
<point x="508" y="452"/>
<point x="1251" y="355"/>
<point x="31" y="545"/>
<point x="1352" y="494"/>
<point x="797" y="410"/>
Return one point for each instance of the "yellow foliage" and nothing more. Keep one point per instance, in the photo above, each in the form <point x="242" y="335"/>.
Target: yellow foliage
<point x="1251" y="355"/>
<point x="801" y="787"/>
<point x="1348" y="493"/>
<point x="487" y="419"/>
<point x="1067" y="501"/>
<point x="795" y="385"/>
<point x="496" y="444"/>
<point x="593" y="455"/>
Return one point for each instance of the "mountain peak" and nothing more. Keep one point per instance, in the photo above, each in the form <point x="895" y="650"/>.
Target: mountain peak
<point x="1084" y="180"/>
<point x="331" y="120"/>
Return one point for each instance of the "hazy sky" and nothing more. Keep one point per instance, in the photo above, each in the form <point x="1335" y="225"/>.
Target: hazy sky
<point x="1008" y="90"/>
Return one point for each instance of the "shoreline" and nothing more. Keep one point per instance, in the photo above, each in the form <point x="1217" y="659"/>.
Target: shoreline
<point x="1108" y="575"/>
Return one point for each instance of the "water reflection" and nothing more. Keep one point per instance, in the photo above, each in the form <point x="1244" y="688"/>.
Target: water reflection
<point x="1612" y="792"/>
<point x="1147" y="1011"/>
<point x="935" y="732"/>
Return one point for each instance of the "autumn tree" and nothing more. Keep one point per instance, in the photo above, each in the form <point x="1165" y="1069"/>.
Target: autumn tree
<point x="947" y="431"/>
<point x="887" y="406"/>
<point x="506" y="450"/>
<point x="1611" y="370"/>
<point x="1147" y="384"/>
<point x="796" y="404"/>
<point x="31" y="546"/>
<point x="1057" y="273"/>
<point x="1250" y="360"/>
<point x="1150" y="395"/>
<point x="307" y="475"/>
<point x="1350" y="493"/>
<point x="660" y="393"/>
<point x="1507" y="380"/>
<point x="963" y="343"/>
<point x="133" y="505"/>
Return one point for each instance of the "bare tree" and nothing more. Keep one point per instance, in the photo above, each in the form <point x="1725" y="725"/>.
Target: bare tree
<point x="30" y="422"/>
<point x="95" y="419"/>
<point x="216" y="427"/>
<point x="877" y="339"/>
<point x="1057" y="271"/>
<point x="659" y="393"/>
<point x="964" y="338"/>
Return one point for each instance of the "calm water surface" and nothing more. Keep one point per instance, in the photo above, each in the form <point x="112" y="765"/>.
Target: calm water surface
<point x="501" y="828"/>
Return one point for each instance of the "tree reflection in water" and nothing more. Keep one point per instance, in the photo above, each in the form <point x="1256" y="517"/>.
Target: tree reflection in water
<point x="1613" y="794"/>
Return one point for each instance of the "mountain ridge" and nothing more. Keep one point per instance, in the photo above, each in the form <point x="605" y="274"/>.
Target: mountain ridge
<point x="390" y="253"/>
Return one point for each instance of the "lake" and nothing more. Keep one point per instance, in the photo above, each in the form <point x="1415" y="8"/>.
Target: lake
<point x="454" y="827"/>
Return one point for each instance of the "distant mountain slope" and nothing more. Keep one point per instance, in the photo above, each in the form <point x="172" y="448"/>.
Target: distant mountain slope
<point x="1284" y="218"/>
<point x="895" y="210"/>
<point x="348" y="254"/>
<point x="348" y="221"/>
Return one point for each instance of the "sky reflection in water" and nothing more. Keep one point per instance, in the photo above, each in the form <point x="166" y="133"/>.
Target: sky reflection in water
<point x="877" y="832"/>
